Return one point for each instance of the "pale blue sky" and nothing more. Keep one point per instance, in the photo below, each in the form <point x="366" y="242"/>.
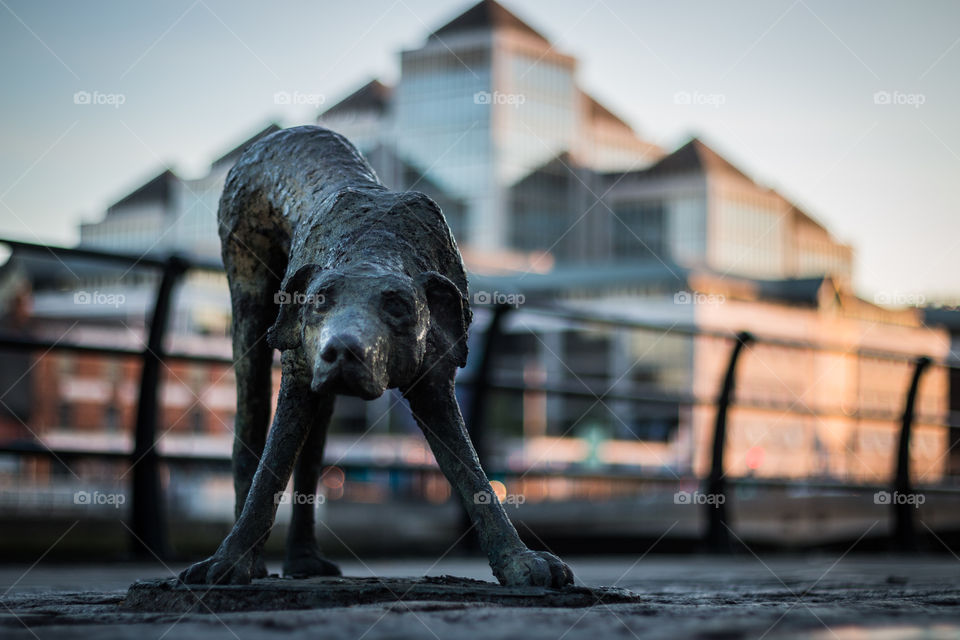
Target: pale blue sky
<point x="797" y="80"/>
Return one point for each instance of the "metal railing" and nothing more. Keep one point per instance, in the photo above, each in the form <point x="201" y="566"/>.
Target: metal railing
<point x="147" y="525"/>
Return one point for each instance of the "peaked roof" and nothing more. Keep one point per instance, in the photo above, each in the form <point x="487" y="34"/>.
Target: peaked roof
<point x="231" y="156"/>
<point x="373" y="96"/>
<point x="156" y="189"/>
<point x="695" y="155"/>
<point x="486" y="14"/>
<point x="160" y="188"/>
<point x="598" y="111"/>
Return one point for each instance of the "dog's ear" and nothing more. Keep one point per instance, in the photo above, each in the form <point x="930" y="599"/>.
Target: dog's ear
<point x="285" y="332"/>
<point x="449" y="310"/>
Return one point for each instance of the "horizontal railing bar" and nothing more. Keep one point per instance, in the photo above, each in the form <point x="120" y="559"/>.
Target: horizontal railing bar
<point x="579" y="474"/>
<point x="586" y="318"/>
<point x="834" y="485"/>
<point x="26" y="344"/>
<point x="552" y="311"/>
<point x="151" y="261"/>
<point x="225" y="460"/>
<point x="687" y="400"/>
<point x="572" y="390"/>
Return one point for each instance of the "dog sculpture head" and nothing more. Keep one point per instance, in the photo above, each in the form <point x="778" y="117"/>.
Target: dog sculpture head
<point x="364" y="330"/>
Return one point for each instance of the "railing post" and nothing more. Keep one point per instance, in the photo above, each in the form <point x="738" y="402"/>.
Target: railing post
<point x="717" y="534"/>
<point x="904" y="534"/>
<point x="481" y="382"/>
<point x="478" y="404"/>
<point x="148" y="522"/>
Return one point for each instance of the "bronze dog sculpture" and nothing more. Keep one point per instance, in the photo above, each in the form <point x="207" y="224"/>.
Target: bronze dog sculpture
<point x="372" y="297"/>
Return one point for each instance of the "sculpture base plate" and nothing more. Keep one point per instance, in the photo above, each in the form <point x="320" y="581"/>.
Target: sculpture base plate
<point x="273" y="593"/>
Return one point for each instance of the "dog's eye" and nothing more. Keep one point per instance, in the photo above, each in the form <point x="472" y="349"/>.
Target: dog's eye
<point x="319" y="302"/>
<point x="396" y="305"/>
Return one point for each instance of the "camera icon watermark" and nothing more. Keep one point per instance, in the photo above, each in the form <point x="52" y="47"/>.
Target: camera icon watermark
<point x="897" y="498"/>
<point x="484" y="497"/>
<point x="115" y="100"/>
<point x="899" y="98"/>
<point x="115" y="500"/>
<point x="697" y="498"/>
<point x="498" y="298"/>
<point x="98" y="298"/>
<point x="497" y="97"/>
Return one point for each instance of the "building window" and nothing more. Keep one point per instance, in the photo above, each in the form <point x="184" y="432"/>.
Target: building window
<point x="111" y="419"/>
<point x="114" y="370"/>
<point x="197" y="422"/>
<point x="66" y="364"/>
<point x="541" y="210"/>
<point x="65" y="415"/>
<point x="638" y="232"/>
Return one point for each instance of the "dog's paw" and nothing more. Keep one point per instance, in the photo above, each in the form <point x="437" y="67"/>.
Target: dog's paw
<point x="307" y="561"/>
<point x="259" y="568"/>
<point x="220" y="568"/>
<point x="532" y="568"/>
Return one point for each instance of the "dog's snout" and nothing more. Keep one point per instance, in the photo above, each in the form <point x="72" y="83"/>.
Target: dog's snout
<point x="342" y="347"/>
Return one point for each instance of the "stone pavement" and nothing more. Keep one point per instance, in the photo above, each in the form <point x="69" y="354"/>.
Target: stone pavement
<point x="703" y="597"/>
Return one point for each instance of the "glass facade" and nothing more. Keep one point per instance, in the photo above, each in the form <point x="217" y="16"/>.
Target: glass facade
<point x="750" y="237"/>
<point x="536" y="118"/>
<point x="443" y="126"/>
<point x="639" y="231"/>
<point x="195" y="225"/>
<point x="687" y="228"/>
<point x="540" y="209"/>
<point x="479" y="123"/>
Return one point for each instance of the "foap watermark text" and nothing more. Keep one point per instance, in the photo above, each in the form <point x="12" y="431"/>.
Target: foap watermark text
<point x="899" y="98"/>
<point x="115" y="100"/>
<point x="898" y="299"/>
<point x="299" y="97"/>
<point x="283" y="497"/>
<point x="698" y="498"/>
<point x="912" y="499"/>
<point x="115" y="500"/>
<point x="697" y="98"/>
<point x="498" y="97"/>
<point x="498" y="298"/>
<point x="298" y="297"/>
<point x="489" y="497"/>
<point x="99" y="298"/>
<point x="696" y="297"/>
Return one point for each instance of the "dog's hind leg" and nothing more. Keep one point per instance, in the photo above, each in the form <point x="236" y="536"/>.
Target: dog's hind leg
<point x="303" y="557"/>
<point x="254" y="272"/>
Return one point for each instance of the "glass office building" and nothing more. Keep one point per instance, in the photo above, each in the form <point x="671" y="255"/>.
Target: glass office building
<point x="488" y="117"/>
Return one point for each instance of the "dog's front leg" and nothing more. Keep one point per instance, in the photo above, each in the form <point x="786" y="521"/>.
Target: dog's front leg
<point x="434" y="406"/>
<point x="233" y="562"/>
